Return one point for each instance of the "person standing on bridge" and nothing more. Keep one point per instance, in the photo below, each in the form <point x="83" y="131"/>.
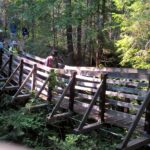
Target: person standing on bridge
<point x="54" y="61"/>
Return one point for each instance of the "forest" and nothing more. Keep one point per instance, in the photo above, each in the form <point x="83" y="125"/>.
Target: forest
<point x="85" y="32"/>
<point x="91" y="33"/>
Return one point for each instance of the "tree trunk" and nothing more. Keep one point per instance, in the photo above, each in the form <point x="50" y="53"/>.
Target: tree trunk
<point x="5" y="19"/>
<point x="54" y="30"/>
<point x="100" y="36"/>
<point x="79" y="49"/>
<point x="33" y="29"/>
<point x="69" y="33"/>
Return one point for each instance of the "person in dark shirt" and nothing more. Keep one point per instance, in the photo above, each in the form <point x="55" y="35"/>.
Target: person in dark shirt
<point x="25" y="32"/>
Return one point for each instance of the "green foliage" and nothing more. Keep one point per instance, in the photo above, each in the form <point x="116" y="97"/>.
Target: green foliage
<point x="135" y="27"/>
<point x="52" y="79"/>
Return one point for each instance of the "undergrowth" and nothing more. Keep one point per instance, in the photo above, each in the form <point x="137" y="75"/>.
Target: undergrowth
<point x="19" y="125"/>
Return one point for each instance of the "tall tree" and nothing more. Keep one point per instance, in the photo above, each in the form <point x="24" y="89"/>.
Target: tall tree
<point x="69" y="32"/>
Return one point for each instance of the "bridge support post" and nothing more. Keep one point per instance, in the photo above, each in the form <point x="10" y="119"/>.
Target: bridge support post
<point x="21" y="72"/>
<point x="1" y="58"/>
<point x="10" y="65"/>
<point x="72" y="92"/>
<point x="33" y="77"/>
<point x="103" y="97"/>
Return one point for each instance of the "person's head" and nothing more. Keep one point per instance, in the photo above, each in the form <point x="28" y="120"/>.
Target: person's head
<point x="54" y="53"/>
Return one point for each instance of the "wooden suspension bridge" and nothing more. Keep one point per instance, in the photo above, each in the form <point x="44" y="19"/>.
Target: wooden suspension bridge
<point x="116" y="96"/>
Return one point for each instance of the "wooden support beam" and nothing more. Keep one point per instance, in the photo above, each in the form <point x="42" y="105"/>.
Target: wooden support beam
<point x="102" y="97"/>
<point x="37" y="106"/>
<point x="88" y="127"/>
<point x="59" y="116"/>
<point x="21" y="72"/>
<point x="22" y="85"/>
<point x="22" y="97"/>
<point x="2" y="68"/>
<point x="1" y="58"/>
<point x="10" y="65"/>
<point x="8" y="88"/>
<point x="136" y="143"/>
<point x="61" y="98"/>
<point x="34" y="77"/>
<point x="11" y="76"/>
<point x="90" y="107"/>
<point x="42" y="88"/>
<point x="3" y="79"/>
<point x="72" y="92"/>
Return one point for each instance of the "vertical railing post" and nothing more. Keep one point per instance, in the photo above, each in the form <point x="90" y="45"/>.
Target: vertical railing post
<point x="21" y="73"/>
<point x="147" y="115"/>
<point x="103" y="97"/>
<point x="72" y="93"/>
<point x="1" y="58"/>
<point x="34" y="77"/>
<point x="50" y="88"/>
<point x="10" y="65"/>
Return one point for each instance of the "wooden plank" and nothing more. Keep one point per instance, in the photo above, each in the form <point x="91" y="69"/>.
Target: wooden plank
<point x="88" y="79"/>
<point x="126" y="90"/>
<point x="127" y="82"/>
<point x="114" y="115"/>
<point x="85" y="89"/>
<point x="34" y="58"/>
<point x="124" y="95"/>
<point x="3" y="79"/>
<point x="112" y="72"/>
<point x="123" y="104"/>
<point x="136" y="143"/>
<point x="88" y="127"/>
<point x="37" y="106"/>
<point x="87" y="84"/>
<point x="108" y="69"/>
<point x="8" y="88"/>
<point x="58" y="117"/>
<point x="22" y="97"/>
